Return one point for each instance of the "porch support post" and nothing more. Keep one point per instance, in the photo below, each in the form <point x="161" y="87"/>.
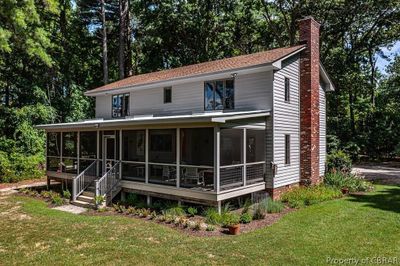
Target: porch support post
<point x="61" y="150"/>
<point x="244" y="156"/>
<point x="123" y="195"/>
<point x="120" y="154"/>
<point x="78" y="138"/>
<point x="148" y="200"/>
<point x="219" y="207"/>
<point x="146" y="159"/>
<point x="178" y="156"/>
<point x="97" y="153"/>
<point x="217" y="136"/>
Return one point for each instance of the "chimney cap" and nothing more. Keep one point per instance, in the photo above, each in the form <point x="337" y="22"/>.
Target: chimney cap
<point x="309" y="18"/>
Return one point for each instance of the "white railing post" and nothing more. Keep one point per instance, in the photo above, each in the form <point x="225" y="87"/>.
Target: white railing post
<point x="178" y="156"/>
<point x="244" y="147"/>
<point x="217" y="136"/>
<point x="74" y="192"/>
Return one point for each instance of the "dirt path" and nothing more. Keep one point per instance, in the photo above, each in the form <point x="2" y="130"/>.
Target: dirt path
<point x="383" y="173"/>
<point x="23" y="184"/>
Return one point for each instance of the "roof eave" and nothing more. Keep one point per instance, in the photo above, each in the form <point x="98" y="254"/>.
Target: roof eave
<point x="329" y="86"/>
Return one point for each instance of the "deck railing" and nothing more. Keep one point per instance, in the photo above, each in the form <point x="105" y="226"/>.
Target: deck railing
<point x="83" y="180"/>
<point x="108" y="182"/>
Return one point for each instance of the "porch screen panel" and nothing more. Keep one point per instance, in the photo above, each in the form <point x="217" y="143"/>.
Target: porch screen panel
<point x="231" y="158"/>
<point x="53" y="151"/>
<point x="133" y="155"/>
<point x="255" y="156"/>
<point x="87" y="149"/>
<point x="162" y="156"/>
<point x="197" y="158"/>
<point x="69" y="152"/>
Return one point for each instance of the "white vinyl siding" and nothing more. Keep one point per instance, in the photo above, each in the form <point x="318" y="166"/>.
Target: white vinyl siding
<point x="322" y="130"/>
<point x="286" y="121"/>
<point x="103" y="106"/>
<point x="252" y="92"/>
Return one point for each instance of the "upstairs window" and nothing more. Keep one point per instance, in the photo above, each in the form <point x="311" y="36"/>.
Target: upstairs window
<point x="219" y="95"/>
<point x="167" y="95"/>
<point x="120" y="105"/>
<point x="287" y="90"/>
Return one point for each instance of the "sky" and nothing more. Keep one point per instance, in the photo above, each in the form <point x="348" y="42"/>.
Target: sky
<point x="382" y="63"/>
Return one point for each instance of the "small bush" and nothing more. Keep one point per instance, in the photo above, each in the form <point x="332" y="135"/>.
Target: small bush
<point x="260" y="209"/>
<point x="57" y="200"/>
<point x="230" y="219"/>
<point x="99" y="200"/>
<point x="353" y="182"/>
<point x="210" y="228"/>
<point x="338" y="160"/>
<point x="212" y="216"/>
<point x="246" y="218"/>
<point x="175" y="211"/>
<point x="304" y="196"/>
<point x="192" y="211"/>
<point x="45" y="194"/>
<point x="66" y="194"/>
<point x="274" y="206"/>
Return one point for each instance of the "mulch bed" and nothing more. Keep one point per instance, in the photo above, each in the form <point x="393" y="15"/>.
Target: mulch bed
<point x="269" y="219"/>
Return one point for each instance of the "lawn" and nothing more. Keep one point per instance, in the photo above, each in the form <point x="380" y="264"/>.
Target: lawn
<point x="353" y="227"/>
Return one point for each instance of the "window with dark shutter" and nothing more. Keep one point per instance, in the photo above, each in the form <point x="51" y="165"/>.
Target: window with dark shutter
<point x="287" y="90"/>
<point x="167" y="95"/>
<point x="287" y="149"/>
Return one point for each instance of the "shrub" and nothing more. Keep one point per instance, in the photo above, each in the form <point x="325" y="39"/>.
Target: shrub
<point x="210" y="228"/>
<point x="57" y="200"/>
<point x="99" y="200"/>
<point x="230" y="219"/>
<point x="175" y="211"/>
<point x="304" y="196"/>
<point x="246" y="206"/>
<point x="66" y="194"/>
<point x="260" y="209"/>
<point x="15" y="166"/>
<point x="274" y="206"/>
<point x="212" y="216"/>
<point x="246" y="218"/>
<point x="353" y="182"/>
<point x="192" y="211"/>
<point x="45" y="194"/>
<point x="338" y="160"/>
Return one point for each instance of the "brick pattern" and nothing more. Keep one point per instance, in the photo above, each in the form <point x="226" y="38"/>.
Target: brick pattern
<point x="309" y="102"/>
<point x="276" y="193"/>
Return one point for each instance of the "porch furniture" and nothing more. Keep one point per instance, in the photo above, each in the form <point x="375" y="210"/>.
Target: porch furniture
<point x="192" y="174"/>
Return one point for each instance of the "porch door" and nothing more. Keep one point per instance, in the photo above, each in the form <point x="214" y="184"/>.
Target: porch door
<point x="110" y="151"/>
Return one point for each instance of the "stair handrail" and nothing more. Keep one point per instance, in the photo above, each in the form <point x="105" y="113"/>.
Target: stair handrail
<point x="83" y="180"/>
<point x="108" y="181"/>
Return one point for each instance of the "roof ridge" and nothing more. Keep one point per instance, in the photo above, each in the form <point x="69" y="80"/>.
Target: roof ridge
<point x="197" y="68"/>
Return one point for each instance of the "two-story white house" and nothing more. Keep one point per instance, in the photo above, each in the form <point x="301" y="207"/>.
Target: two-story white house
<point x="202" y="133"/>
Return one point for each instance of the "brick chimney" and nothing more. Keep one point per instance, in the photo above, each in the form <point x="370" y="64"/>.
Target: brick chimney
<point x="309" y="102"/>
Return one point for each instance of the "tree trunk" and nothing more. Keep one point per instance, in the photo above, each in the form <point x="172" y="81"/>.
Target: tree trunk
<point x="372" y="63"/>
<point x="104" y="42"/>
<point x="128" y="63"/>
<point x="352" y="117"/>
<point x="123" y="10"/>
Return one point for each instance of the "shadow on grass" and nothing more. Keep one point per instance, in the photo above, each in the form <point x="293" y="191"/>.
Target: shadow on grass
<point x="387" y="199"/>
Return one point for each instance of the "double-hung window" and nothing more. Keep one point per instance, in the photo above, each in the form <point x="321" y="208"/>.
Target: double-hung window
<point x="219" y="95"/>
<point x="287" y="90"/>
<point x="120" y="105"/>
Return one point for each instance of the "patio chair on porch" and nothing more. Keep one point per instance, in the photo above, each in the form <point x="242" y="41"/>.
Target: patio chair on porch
<point x="192" y="173"/>
<point x="168" y="174"/>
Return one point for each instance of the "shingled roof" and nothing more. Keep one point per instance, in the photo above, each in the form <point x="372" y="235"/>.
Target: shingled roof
<point x="226" y="64"/>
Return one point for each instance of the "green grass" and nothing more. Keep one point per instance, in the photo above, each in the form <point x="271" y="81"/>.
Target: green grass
<point x="352" y="227"/>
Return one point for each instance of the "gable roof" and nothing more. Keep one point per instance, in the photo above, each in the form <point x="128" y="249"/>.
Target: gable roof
<point x="232" y="63"/>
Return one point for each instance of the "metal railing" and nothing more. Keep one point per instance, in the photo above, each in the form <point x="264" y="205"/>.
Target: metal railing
<point x="108" y="182"/>
<point x="83" y="180"/>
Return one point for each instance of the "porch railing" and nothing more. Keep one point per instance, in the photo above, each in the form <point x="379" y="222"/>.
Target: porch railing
<point x="106" y="185"/>
<point x="83" y="180"/>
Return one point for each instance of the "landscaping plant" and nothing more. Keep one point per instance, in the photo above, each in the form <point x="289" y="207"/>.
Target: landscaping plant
<point x="304" y="196"/>
<point x="350" y="181"/>
<point x="192" y="211"/>
<point x="274" y="206"/>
